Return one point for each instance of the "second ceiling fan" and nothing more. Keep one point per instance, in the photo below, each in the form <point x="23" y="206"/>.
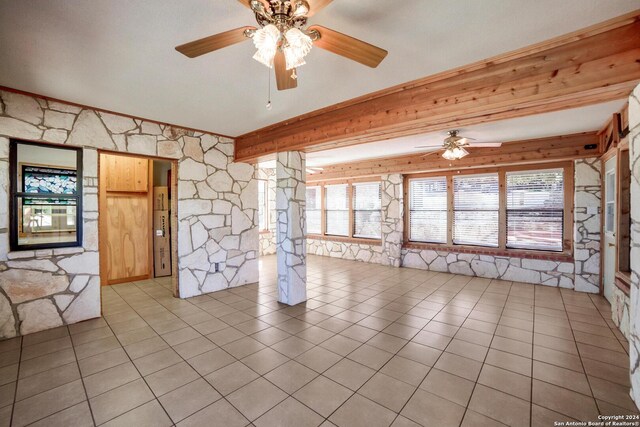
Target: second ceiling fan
<point x="283" y="40"/>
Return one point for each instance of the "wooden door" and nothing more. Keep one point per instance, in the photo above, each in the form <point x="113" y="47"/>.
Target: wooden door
<point x="125" y="218"/>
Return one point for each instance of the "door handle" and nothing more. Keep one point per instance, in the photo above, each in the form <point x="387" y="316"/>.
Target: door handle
<point x="611" y="245"/>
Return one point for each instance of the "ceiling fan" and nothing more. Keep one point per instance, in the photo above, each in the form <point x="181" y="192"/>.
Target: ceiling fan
<point x="283" y="41"/>
<point x="454" y="146"/>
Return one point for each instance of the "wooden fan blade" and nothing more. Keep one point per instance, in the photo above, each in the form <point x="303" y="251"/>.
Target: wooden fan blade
<point x="349" y="47"/>
<point x="484" y="144"/>
<point x="316" y="5"/>
<point x="431" y="152"/>
<point x="215" y="42"/>
<point x="283" y="76"/>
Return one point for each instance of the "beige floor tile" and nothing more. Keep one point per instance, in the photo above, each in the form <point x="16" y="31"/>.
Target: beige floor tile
<point x="256" y="398"/>
<point x="543" y="417"/>
<point x="431" y="410"/>
<point x="243" y="347"/>
<point x="473" y="419"/>
<point x="458" y="365"/>
<point x="420" y="353"/>
<point x="46" y="347"/>
<point x="188" y="399"/>
<point x="44" y="404"/>
<point x="119" y="400"/>
<point x="323" y="395"/>
<point x="77" y="416"/>
<point x="146" y="347"/>
<point x="500" y="406"/>
<point x="350" y="374"/>
<point x="449" y="386"/>
<point x="272" y="335"/>
<point x="218" y="414"/>
<point x="210" y="361"/>
<point x="612" y="393"/>
<point x="387" y="342"/>
<point x="291" y="376"/>
<point x="509" y="361"/>
<point x="576" y="381"/>
<point x="39" y="364"/>
<point x="359" y="411"/>
<point x="467" y="349"/>
<point x="157" y="361"/>
<point x="100" y="362"/>
<point x="265" y="360"/>
<point x="231" y="377"/>
<point x="405" y="370"/>
<point x="432" y="339"/>
<point x="110" y="378"/>
<point x="564" y="401"/>
<point x="607" y="371"/>
<point x="370" y="356"/>
<point x="506" y="381"/>
<point x="319" y="359"/>
<point x="340" y="345"/>
<point x="168" y="379"/>
<point x="292" y="347"/>
<point x="194" y="347"/>
<point x="290" y="412"/>
<point x="47" y="380"/>
<point x="149" y="414"/>
<point x="387" y="391"/>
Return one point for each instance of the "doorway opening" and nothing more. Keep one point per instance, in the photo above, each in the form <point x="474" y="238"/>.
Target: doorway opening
<point x="137" y="225"/>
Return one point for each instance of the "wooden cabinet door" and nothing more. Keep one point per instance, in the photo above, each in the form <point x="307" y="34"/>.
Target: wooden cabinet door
<point x="125" y="218"/>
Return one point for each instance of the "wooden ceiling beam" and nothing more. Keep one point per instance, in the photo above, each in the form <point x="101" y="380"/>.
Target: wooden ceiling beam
<point x="593" y="65"/>
<point x="540" y="150"/>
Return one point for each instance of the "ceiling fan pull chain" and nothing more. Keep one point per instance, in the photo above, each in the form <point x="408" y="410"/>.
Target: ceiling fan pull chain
<point x="269" y="94"/>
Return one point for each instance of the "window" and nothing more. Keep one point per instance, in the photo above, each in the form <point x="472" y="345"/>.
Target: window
<point x="475" y="210"/>
<point x="366" y="210"/>
<point x="610" y="202"/>
<point x="428" y="210"/>
<point x="314" y="210"/>
<point x="337" y="209"/>
<point x="350" y="209"/>
<point x="46" y="202"/>
<point x="535" y="209"/>
<point x="508" y="208"/>
<point x="263" y="205"/>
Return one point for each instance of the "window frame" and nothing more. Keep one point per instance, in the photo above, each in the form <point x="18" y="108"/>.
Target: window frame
<point x="567" y="239"/>
<point x="353" y="198"/>
<point x="323" y="217"/>
<point x="14" y="195"/>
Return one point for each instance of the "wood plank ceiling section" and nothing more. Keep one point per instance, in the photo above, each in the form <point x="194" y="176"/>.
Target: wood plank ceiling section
<point x="593" y="65"/>
<point x="540" y="150"/>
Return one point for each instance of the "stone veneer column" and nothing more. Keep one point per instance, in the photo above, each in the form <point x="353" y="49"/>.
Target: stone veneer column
<point x="392" y="219"/>
<point x="291" y="227"/>
<point x="586" y="224"/>
<point x="634" y="160"/>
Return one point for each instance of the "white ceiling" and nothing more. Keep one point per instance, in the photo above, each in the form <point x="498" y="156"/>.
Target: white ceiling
<point x="576" y="120"/>
<point x="119" y="54"/>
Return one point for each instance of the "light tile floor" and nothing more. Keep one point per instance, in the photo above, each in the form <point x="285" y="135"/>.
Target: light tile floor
<point x="373" y="346"/>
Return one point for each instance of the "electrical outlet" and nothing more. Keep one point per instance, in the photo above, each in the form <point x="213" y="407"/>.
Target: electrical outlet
<point x="216" y="266"/>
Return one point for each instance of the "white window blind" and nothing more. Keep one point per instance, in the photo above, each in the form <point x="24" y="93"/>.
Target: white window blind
<point x="428" y="210"/>
<point x="366" y="210"/>
<point x="314" y="212"/>
<point x="337" y="210"/>
<point x="263" y="205"/>
<point x="535" y="209"/>
<point x="476" y="204"/>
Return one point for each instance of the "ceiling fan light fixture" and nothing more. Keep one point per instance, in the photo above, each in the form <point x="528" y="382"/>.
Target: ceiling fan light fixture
<point x="301" y="8"/>
<point x="296" y="47"/>
<point x="454" y="153"/>
<point x="266" y="40"/>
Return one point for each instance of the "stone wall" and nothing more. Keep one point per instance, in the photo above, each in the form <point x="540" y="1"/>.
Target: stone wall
<point x="268" y="237"/>
<point x="291" y="227"/>
<point x="620" y="311"/>
<point x="587" y="223"/>
<point x="543" y="272"/>
<point x="217" y="212"/>
<point x="392" y="204"/>
<point x="345" y="250"/>
<point x="634" y="314"/>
